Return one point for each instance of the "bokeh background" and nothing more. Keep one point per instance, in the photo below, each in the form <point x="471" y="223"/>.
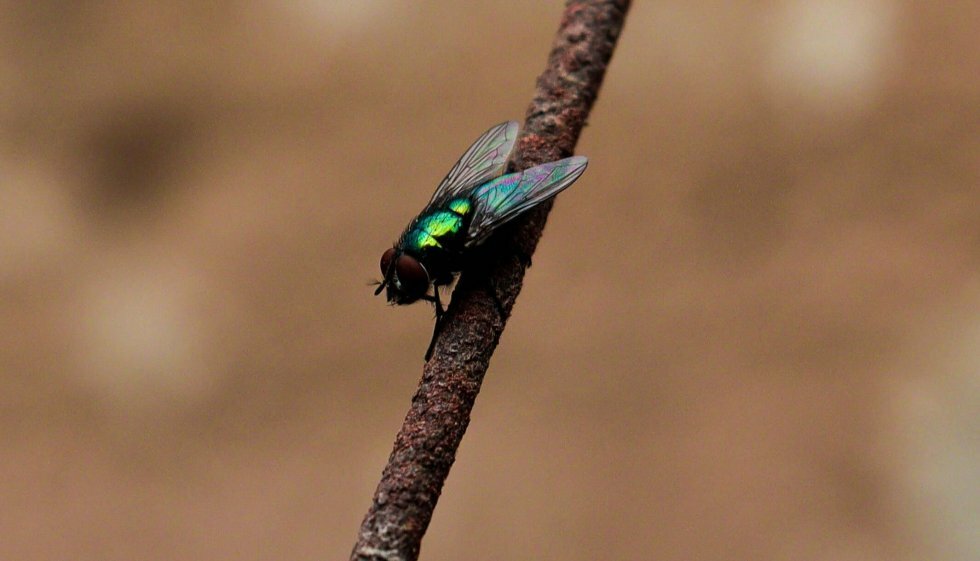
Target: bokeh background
<point x="752" y="330"/>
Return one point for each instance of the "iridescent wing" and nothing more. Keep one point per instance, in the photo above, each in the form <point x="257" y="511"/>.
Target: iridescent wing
<point x="503" y="199"/>
<point x="485" y="160"/>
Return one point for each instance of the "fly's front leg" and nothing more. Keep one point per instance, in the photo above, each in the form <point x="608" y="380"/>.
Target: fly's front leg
<point x="440" y="312"/>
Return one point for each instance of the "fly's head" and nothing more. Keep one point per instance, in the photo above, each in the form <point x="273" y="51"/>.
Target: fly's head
<point x="404" y="277"/>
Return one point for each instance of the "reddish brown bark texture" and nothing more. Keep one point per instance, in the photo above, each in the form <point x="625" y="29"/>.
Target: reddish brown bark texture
<point x="425" y="448"/>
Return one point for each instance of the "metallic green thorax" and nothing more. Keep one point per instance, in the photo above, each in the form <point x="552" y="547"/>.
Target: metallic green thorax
<point x="439" y="231"/>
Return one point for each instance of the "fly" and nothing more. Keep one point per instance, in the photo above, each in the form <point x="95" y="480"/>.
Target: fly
<point x="467" y="207"/>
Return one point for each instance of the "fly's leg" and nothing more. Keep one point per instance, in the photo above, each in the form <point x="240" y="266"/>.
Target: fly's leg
<point x="497" y="303"/>
<point x="481" y="267"/>
<point x="524" y="258"/>
<point x="513" y="248"/>
<point x="432" y="342"/>
<point x="440" y="312"/>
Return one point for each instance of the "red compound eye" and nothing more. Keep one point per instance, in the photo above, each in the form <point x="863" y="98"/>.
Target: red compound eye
<point x="412" y="277"/>
<point x="386" y="260"/>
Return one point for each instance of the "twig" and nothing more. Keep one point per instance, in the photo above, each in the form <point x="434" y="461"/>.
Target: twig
<point x="425" y="448"/>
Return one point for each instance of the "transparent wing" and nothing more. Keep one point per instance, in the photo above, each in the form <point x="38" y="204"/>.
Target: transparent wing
<point x="484" y="160"/>
<point x="504" y="198"/>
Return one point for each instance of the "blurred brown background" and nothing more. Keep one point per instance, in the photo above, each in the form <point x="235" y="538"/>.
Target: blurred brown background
<point x="751" y="330"/>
